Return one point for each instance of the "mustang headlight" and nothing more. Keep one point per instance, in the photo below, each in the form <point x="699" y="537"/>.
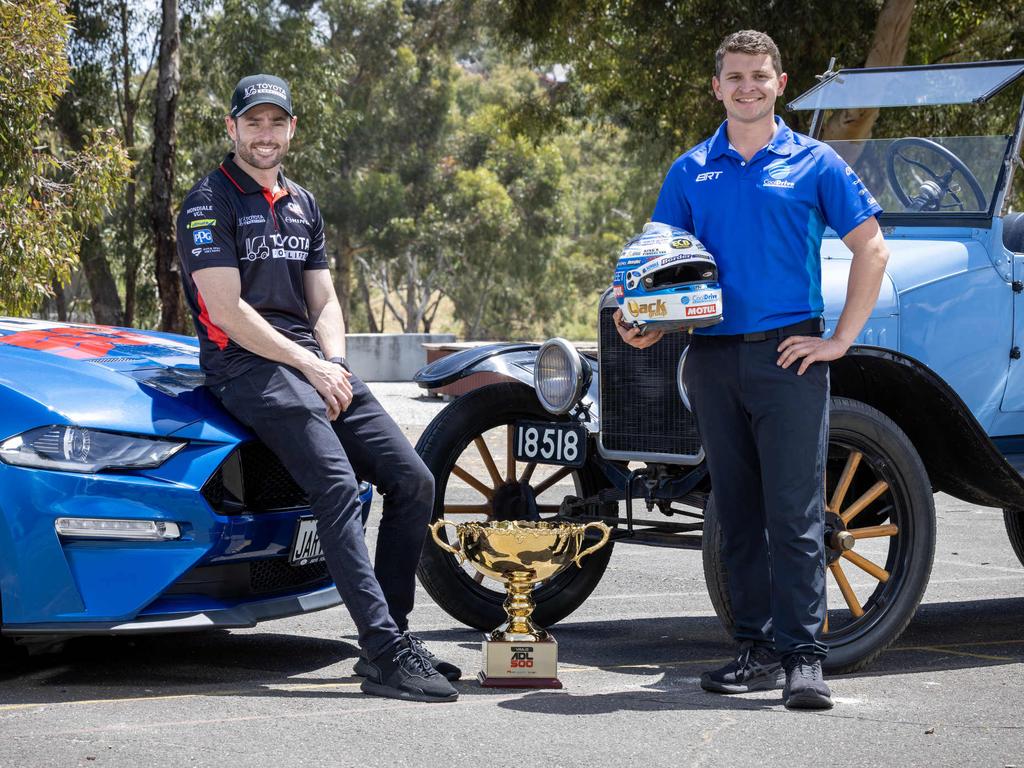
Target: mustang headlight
<point x="76" y="449"/>
<point x="558" y="376"/>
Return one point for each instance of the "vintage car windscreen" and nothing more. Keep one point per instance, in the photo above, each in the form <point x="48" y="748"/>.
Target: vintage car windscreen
<point x="910" y="86"/>
<point x="906" y="174"/>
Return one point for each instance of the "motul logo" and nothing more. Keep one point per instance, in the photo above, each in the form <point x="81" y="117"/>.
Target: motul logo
<point x="709" y="309"/>
<point x="652" y="309"/>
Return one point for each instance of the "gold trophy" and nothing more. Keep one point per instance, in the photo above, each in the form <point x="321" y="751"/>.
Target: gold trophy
<point x="520" y="554"/>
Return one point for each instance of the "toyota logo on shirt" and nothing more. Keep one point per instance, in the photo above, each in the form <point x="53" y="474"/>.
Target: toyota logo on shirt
<point x="291" y="247"/>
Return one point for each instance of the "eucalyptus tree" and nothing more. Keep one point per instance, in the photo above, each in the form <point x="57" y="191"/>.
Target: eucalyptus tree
<point x="48" y="196"/>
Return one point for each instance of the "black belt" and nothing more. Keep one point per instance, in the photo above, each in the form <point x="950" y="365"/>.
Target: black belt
<point x="809" y="327"/>
<point x="804" y="327"/>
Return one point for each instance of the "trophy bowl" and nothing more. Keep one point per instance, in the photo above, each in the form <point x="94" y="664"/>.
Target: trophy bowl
<point x="520" y="554"/>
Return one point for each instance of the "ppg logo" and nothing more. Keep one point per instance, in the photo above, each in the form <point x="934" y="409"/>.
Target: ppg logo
<point x="202" y="237"/>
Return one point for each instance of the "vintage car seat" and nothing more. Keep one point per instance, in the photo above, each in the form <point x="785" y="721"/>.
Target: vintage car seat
<point x="666" y="279"/>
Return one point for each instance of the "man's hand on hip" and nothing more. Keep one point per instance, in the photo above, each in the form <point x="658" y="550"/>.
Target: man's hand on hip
<point x="332" y="383"/>
<point x="811" y="349"/>
<point x="634" y="336"/>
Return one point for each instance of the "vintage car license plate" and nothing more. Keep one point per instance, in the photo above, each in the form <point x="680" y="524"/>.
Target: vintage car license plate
<point x="547" y="443"/>
<point x="306" y="545"/>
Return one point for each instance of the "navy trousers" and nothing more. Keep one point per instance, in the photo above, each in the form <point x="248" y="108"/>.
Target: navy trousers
<point x="284" y="410"/>
<point x="765" y="435"/>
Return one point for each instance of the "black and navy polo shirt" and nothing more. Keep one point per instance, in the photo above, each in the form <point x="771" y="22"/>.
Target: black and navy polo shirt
<point x="763" y="221"/>
<point x="229" y="220"/>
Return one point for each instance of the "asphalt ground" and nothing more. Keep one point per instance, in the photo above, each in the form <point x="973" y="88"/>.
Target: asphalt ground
<point x="949" y="693"/>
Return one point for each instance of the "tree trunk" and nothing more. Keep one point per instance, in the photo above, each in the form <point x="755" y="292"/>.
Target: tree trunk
<point x="888" y="49"/>
<point x="131" y="104"/>
<point x="172" y="314"/>
<point x="106" y="304"/>
<point x="364" y="290"/>
<point x="343" y="276"/>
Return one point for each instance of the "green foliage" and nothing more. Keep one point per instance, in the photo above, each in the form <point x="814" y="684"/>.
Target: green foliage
<point x="646" y="65"/>
<point x="47" y="197"/>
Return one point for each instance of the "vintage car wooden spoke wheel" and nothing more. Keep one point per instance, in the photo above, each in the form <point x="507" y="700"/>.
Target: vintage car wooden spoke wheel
<point x="468" y="448"/>
<point x="879" y="536"/>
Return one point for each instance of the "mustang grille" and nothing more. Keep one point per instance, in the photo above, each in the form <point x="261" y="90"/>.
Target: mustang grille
<point x="276" y="574"/>
<point x="641" y="410"/>
<point x="252" y="479"/>
<point x="235" y="581"/>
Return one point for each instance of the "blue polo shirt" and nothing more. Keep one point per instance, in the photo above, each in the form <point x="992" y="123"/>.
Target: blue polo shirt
<point x="763" y="220"/>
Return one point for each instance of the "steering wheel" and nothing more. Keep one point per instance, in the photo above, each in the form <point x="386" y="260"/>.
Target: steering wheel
<point x="934" y="190"/>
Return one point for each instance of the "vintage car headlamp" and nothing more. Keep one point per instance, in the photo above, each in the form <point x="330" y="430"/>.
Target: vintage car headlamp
<point x="77" y="449"/>
<point x="558" y="376"/>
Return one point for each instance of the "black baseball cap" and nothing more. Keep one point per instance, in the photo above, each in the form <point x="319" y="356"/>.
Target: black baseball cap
<point x="260" y="89"/>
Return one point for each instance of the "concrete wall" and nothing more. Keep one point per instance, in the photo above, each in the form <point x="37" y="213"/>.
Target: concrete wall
<point x="390" y="356"/>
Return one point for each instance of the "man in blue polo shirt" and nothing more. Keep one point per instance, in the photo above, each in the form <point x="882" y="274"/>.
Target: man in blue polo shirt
<point x="759" y="197"/>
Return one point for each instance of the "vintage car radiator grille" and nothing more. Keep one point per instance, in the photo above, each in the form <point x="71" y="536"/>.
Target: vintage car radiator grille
<point x="641" y="410"/>
<point x="252" y="479"/>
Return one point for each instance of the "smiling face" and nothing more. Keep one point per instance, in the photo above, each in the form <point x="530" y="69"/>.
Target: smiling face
<point x="261" y="136"/>
<point x="748" y="86"/>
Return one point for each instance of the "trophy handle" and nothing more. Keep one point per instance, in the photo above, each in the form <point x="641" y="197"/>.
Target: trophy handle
<point x="605" y="533"/>
<point x="438" y="525"/>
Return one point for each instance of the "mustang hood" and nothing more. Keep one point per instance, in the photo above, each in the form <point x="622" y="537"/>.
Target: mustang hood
<point x="114" y="378"/>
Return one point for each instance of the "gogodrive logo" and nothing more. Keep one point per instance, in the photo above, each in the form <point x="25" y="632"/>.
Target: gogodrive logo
<point x="778" y="169"/>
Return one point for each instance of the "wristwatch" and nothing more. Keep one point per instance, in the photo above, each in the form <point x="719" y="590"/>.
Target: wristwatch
<point x="339" y="360"/>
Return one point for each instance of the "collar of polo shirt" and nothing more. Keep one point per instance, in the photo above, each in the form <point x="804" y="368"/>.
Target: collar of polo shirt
<point x="781" y="143"/>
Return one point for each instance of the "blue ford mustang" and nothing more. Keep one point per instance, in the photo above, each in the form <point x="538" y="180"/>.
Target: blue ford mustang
<point x="130" y="501"/>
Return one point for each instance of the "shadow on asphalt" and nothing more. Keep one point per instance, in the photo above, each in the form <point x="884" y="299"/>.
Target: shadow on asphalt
<point x="153" y="665"/>
<point x="669" y="653"/>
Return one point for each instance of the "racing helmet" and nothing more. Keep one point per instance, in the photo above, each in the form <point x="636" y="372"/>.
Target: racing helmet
<point x="666" y="279"/>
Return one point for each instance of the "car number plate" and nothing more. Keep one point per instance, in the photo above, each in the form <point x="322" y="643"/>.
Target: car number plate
<point x="306" y="545"/>
<point x="546" y="443"/>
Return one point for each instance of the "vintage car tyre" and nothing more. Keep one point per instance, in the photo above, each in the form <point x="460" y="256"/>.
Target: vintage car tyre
<point x="452" y="586"/>
<point x="1014" y="520"/>
<point x="887" y="456"/>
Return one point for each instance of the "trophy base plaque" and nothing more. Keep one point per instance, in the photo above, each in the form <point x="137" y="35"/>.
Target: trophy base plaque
<point x="520" y="664"/>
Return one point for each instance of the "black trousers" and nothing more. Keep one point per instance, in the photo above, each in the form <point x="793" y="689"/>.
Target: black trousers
<point x="765" y="435"/>
<point x="284" y="410"/>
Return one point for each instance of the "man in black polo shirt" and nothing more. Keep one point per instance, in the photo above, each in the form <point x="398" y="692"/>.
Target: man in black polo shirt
<point x="272" y="345"/>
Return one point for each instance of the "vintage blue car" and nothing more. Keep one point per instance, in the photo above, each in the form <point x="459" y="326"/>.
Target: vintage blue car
<point x="930" y="399"/>
<point x="130" y="501"/>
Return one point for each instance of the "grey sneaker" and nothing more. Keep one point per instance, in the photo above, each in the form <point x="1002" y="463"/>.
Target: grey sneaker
<point x="406" y="675"/>
<point x="364" y="668"/>
<point x="755" y="668"/>
<point x="805" y="686"/>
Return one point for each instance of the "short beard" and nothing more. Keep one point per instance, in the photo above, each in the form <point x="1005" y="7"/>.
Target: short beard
<point x="263" y="163"/>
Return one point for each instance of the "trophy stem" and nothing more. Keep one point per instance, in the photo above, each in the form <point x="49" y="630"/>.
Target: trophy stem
<point x="519" y="606"/>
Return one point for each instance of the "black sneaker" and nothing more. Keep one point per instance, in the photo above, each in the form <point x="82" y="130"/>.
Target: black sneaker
<point x="755" y="668"/>
<point x="450" y="671"/>
<point x="363" y="667"/>
<point x="805" y="686"/>
<point x="406" y="675"/>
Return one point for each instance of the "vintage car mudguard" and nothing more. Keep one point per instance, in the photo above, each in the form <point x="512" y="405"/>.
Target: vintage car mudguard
<point x="514" y="361"/>
<point x="933" y="416"/>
